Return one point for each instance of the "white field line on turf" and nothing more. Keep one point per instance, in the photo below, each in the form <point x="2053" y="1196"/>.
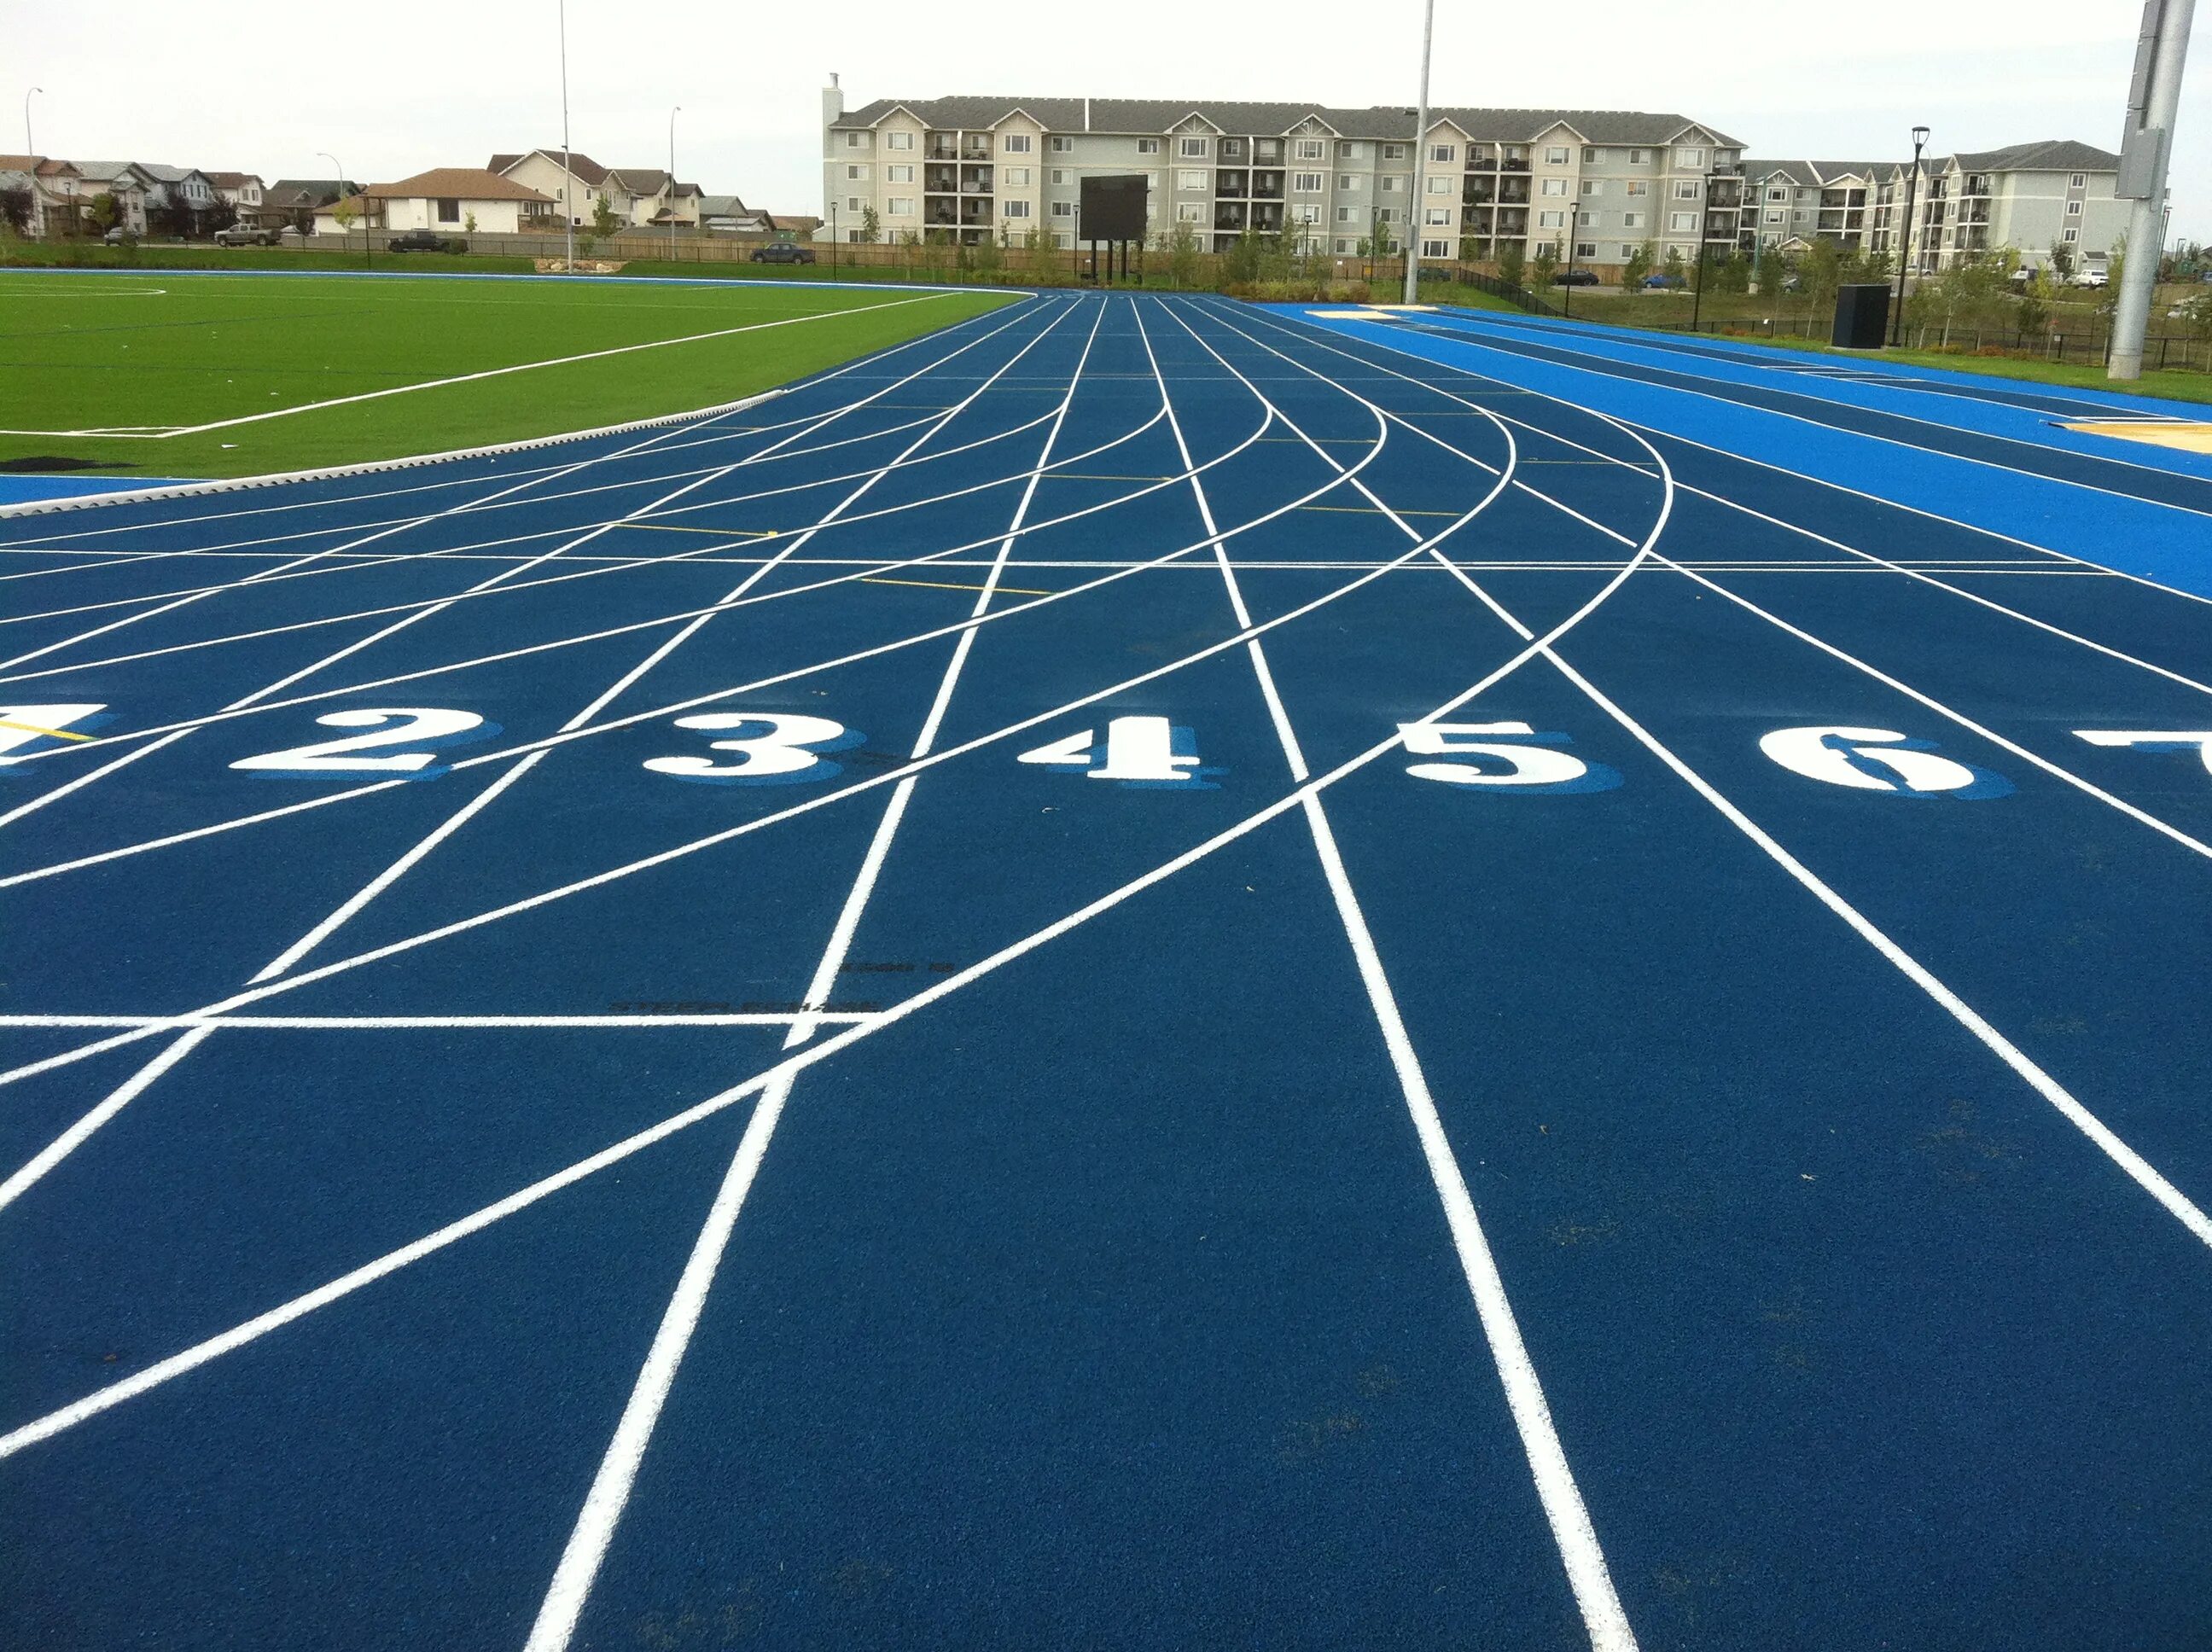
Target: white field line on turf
<point x="691" y="421"/>
<point x="2130" y="1163"/>
<point x="78" y="1132"/>
<point x="192" y="1358"/>
<point x="253" y="701"/>
<point x="2057" y="771"/>
<point x="701" y="553"/>
<point x="1587" y="1575"/>
<point x="446" y="1022"/>
<point x="608" y="1494"/>
<point x="165" y="434"/>
<point x="694" y="479"/>
<point x="1767" y="465"/>
<point x="508" y="753"/>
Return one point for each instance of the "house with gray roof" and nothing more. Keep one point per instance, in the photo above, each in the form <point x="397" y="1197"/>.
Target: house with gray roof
<point x="1593" y="183"/>
<point x="2033" y="197"/>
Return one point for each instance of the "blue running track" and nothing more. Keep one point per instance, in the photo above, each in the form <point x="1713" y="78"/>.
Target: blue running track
<point x="1149" y="973"/>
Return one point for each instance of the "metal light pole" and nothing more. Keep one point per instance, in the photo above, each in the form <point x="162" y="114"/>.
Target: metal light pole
<point x="672" y="113"/>
<point x="29" y="148"/>
<point x="337" y="165"/>
<point x="2147" y="143"/>
<point x="1420" y="157"/>
<point x="568" y="171"/>
<point x="1907" y="253"/>
<point x="1698" y="285"/>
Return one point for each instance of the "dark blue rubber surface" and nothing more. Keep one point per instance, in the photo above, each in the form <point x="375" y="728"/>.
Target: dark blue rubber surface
<point x="1090" y="1140"/>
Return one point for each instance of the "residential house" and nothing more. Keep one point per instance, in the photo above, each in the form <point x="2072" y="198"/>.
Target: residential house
<point x="644" y="196"/>
<point x="2031" y="198"/>
<point x="450" y="200"/>
<point x="56" y="206"/>
<point x="726" y="215"/>
<point x="573" y="182"/>
<point x="650" y="197"/>
<point x="242" y="193"/>
<point x="181" y="200"/>
<point x="134" y="189"/>
<point x="1601" y="182"/>
<point x="291" y="203"/>
<point x="1790" y="204"/>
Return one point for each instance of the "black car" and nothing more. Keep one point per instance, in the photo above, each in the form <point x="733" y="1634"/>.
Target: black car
<point x="1577" y="278"/>
<point x="424" y="240"/>
<point x="783" y="253"/>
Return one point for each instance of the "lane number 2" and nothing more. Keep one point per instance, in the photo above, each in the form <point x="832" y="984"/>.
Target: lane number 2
<point x="398" y="726"/>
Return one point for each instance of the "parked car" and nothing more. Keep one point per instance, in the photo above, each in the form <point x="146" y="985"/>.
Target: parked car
<point x="248" y="236"/>
<point x="783" y="253"/>
<point x="1664" y="284"/>
<point x="2092" y="278"/>
<point x="425" y="240"/>
<point x="119" y="236"/>
<point x="1577" y="278"/>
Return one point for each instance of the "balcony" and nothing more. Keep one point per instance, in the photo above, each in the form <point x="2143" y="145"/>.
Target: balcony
<point x="1267" y="216"/>
<point x="1720" y="226"/>
<point x="1476" y="220"/>
<point x="1267" y="186"/>
<point x="1478" y="192"/>
<point x="1724" y="191"/>
<point x="975" y="180"/>
<point x="1514" y="163"/>
<point x="1481" y="157"/>
<point x="1228" y="214"/>
<point x="940" y="181"/>
<point x="939" y="213"/>
<point x="974" y="210"/>
<point x="1268" y="151"/>
<point x="1231" y="149"/>
<point x="1512" y="222"/>
<point x="1513" y="192"/>
<point x="1234" y="183"/>
<point x="942" y="146"/>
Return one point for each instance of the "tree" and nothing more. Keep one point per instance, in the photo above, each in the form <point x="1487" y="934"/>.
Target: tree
<point x="1635" y="266"/>
<point x="1513" y="262"/>
<point x="1675" y="266"/>
<point x="871" y="225"/>
<point x="1769" y="270"/>
<point x="1820" y="272"/>
<point x="605" y="219"/>
<point x="15" y="210"/>
<point x="1544" y="265"/>
<point x="2033" y="314"/>
<point x="106" y="212"/>
<point x="2062" y="260"/>
<point x="1182" y="251"/>
<point x="469" y="223"/>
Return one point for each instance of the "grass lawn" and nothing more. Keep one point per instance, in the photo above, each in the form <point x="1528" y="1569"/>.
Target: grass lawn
<point x="85" y="351"/>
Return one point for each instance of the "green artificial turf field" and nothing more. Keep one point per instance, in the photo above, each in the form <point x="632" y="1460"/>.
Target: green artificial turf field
<point x="161" y="352"/>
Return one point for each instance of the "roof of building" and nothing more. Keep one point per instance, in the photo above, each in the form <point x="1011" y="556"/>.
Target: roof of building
<point x="2044" y="155"/>
<point x="724" y="206"/>
<point x="462" y="182"/>
<point x="1812" y="173"/>
<point x="1149" y="116"/>
<point x="646" y="181"/>
<point x="232" y="180"/>
<point x="304" y="191"/>
<point x="106" y="171"/>
<point x="802" y="222"/>
<point x="580" y="164"/>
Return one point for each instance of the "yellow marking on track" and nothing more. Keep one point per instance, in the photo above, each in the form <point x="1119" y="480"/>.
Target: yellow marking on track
<point x="940" y="584"/>
<point x="2190" y="438"/>
<point x="50" y="733"/>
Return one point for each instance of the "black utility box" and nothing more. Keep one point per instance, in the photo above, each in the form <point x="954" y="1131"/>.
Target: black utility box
<point x="1862" y="316"/>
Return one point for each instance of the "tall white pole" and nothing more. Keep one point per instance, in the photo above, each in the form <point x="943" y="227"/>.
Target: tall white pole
<point x="29" y="148"/>
<point x="1419" y="208"/>
<point x="2145" y="146"/>
<point x="568" y="171"/>
<point x="672" y="113"/>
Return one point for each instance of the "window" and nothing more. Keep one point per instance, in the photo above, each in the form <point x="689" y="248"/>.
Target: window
<point x="1689" y="157"/>
<point x="449" y="212"/>
<point x="2072" y="208"/>
<point x="898" y="174"/>
<point x="1385" y="214"/>
<point x="1632" y="221"/>
<point x="1436" y="216"/>
<point x="1013" y="209"/>
<point x="1348" y="182"/>
<point x="1778" y="195"/>
<point x="1195" y="148"/>
<point x="1346" y="215"/>
<point x="1550" y="220"/>
<point x="1626" y="251"/>
<point x="1014" y="178"/>
<point x="1342" y="245"/>
<point x="1681" y="249"/>
<point x="898" y="140"/>
<point x="1348" y="151"/>
<point x="1066" y="145"/>
<point x="2077" y="181"/>
<point x="1016" y="142"/>
<point x="1063" y="208"/>
<point x="1305" y="215"/>
<point x="1555" y="186"/>
<point x="1591" y="156"/>
<point x="899" y="206"/>
<point x="1586" y="221"/>
<point x="856" y="173"/>
<point x="1191" y="180"/>
<point x="1393" y="152"/>
<point x="853" y="203"/>
<point x="2073" y="234"/>
<point x="1635" y="157"/>
<point x="1389" y="183"/>
<point x="1638" y="186"/>
<point x="856" y="140"/>
<point x="1308" y="183"/>
<point x="1060" y="174"/>
<point x="1585" y="249"/>
<point x="1688" y="189"/>
<point x="1308" y="148"/>
<point x="1592" y="186"/>
<point x="1437" y="185"/>
<point x="1435" y="249"/>
<point x="1145" y="145"/>
<point x="1555" y="157"/>
<point x="1774" y="217"/>
<point x="853" y="236"/>
<point x="1443" y="152"/>
<point x="1681" y="220"/>
<point x="1189" y="212"/>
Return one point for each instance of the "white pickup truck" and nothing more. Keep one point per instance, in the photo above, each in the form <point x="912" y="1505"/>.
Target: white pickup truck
<point x="248" y="235"/>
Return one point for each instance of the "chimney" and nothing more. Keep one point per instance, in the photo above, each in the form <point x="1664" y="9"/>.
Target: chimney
<point x="833" y="103"/>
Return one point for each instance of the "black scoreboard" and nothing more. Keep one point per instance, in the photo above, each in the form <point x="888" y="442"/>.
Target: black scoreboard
<point x="1113" y="209"/>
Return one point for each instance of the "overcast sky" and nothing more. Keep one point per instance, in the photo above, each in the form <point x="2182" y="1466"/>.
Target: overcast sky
<point x="392" y="88"/>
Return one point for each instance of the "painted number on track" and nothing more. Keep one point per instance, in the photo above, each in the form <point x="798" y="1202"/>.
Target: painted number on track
<point x="1873" y="760"/>
<point x="399" y="725"/>
<point x="1141" y="750"/>
<point x="779" y="746"/>
<point x="1502" y="754"/>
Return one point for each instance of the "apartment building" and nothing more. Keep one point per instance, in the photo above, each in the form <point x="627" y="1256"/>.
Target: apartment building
<point x="2029" y="197"/>
<point x="1601" y="182"/>
<point x="1790" y="204"/>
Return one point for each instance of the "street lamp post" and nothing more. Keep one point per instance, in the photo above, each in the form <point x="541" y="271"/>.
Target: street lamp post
<point x="567" y="169"/>
<point x="672" y="113"/>
<point x="29" y="148"/>
<point x="367" y="253"/>
<point x="1420" y="157"/>
<point x="2154" y="103"/>
<point x="1905" y="250"/>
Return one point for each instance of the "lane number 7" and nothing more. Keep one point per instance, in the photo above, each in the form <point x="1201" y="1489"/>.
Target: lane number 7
<point x="2154" y="739"/>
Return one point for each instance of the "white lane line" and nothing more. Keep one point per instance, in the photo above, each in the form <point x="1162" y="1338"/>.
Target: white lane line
<point x="79" y="1131"/>
<point x="192" y="1358"/>
<point x="470" y="378"/>
<point x="448" y="1022"/>
<point x="1589" y="1577"/>
<point x="612" y="1484"/>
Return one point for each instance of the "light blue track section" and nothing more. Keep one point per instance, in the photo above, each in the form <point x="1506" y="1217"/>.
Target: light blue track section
<point x="1942" y="397"/>
<point x="35" y="490"/>
<point x="2133" y="536"/>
